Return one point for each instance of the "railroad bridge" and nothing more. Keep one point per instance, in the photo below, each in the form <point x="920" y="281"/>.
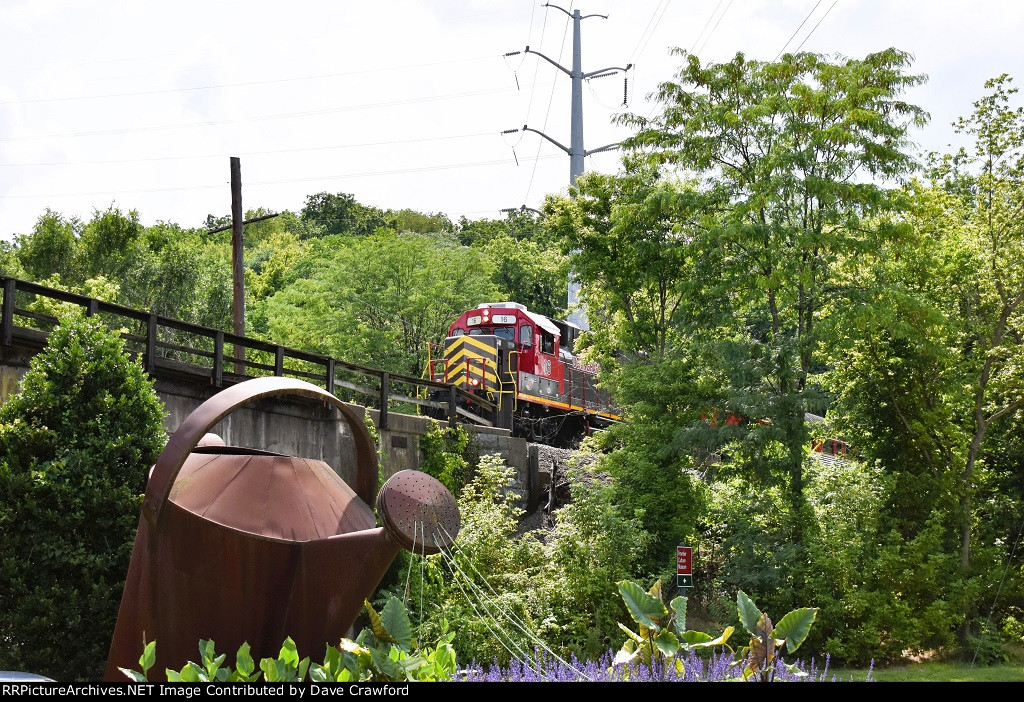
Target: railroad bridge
<point x="189" y="363"/>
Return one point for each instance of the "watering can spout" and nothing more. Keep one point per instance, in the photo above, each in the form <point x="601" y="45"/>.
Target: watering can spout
<point x="240" y="545"/>
<point x="418" y="514"/>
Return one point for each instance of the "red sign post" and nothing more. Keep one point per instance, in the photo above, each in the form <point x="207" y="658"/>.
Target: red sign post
<point x="684" y="566"/>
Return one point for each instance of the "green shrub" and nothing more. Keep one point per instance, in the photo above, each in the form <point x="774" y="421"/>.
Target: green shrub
<point x="446" y="457"/>
<point x="488" y="555"/>
<point x="75" y="448"/>
<point x="881" y="592"/>
<point x="594" y="546"/>
<point x="509" y="592"/>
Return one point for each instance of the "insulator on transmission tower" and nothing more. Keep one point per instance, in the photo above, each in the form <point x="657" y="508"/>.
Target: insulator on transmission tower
<point x="510" y="131"/>
<point x="513" y="53"/>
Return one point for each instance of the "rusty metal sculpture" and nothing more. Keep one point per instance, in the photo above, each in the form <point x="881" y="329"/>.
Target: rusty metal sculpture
<point x="241" y="545"/>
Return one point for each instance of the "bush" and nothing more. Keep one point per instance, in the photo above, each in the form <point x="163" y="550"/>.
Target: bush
<point x="487" y="555"/>
<point x="75" y="448"/>
<point x="446" y="456"/>
<point x="508" y="592"/>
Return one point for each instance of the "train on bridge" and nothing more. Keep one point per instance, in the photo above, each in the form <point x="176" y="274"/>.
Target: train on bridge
<point x="524" y="363"/>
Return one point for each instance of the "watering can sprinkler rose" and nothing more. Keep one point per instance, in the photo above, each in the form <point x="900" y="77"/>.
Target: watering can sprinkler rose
<point x="239" y="545"/>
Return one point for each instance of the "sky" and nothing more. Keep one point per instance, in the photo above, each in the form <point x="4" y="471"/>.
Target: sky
<point x="401" y="103"/>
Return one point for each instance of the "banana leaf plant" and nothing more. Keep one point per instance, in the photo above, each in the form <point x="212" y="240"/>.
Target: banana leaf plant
<point x="757" y="660"/>
<point x="661" y="641"/>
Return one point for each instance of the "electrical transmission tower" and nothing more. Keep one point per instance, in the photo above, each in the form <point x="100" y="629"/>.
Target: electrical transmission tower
<point x="575" y="150"/>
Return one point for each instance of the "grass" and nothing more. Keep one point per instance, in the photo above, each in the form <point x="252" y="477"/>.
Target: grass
<point x="936" y="672"/>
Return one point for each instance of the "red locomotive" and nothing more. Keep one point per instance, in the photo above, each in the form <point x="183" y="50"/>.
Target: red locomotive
<point x="523" y="362"/>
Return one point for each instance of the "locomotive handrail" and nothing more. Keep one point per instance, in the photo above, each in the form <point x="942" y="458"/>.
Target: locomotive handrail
<point x="143" y="330"/>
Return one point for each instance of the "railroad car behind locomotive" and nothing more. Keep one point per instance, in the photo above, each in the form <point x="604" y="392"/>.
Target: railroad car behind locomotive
<point x="524" y="363"/>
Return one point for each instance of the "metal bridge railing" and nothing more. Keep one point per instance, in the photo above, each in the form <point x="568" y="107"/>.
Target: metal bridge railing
<point x="176" y="348"/>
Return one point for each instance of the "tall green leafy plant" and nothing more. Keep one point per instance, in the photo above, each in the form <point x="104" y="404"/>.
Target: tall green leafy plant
<point x="75" y="447"/>
<point x="759" y="657"/>
<point x="662" y="638"/>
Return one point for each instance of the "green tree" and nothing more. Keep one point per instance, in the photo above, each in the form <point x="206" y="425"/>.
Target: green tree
<point x="634" y="236"/>
<point x="996" y="230"/>
<point x="932" y="363"/>
<point x="518" y="224"/>
<point x="110" y="243"/>
<point x="379" y="299"/>
<point x="76" y="445"/>
<point x="637" y="243"/>
<point x="51" y="248"/>
<point x="412" y="221"/>
<point x="792" y="154"/>
<point x="343" y="214"/>
<point x="528" y="274"/>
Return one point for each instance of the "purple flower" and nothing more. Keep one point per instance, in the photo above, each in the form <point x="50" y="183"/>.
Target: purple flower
<point x="543" y="667"/>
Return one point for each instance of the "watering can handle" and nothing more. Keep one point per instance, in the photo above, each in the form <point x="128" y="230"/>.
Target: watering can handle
<point x="204" y="417"/>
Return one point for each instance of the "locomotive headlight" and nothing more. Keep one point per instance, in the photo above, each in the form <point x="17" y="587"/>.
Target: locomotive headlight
<point x="474" y="381"/>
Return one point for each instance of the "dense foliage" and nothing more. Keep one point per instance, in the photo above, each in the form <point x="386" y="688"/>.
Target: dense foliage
<point x="512" y="592"/>
<point x="75" y="447"/>
<point x="766" y="257"/>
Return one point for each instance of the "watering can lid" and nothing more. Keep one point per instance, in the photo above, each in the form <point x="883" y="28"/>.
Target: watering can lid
<point x="269" y="495"/>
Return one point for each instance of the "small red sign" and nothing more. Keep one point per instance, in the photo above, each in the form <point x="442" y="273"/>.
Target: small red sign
<point x="684" y="560"/>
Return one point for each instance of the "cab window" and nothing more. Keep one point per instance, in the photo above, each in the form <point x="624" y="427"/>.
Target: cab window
<point x="526" y="335"/>
<point x="505" y="333"/>
<point x="547" y="342"/>
<point x="458" y="332"/>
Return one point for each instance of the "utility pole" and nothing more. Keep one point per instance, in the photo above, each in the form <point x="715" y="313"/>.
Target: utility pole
<point x="237" y="228"/>
<point x="238" y="258"/>
<point x="237" y="262"/>
<point x="577" y="153"/>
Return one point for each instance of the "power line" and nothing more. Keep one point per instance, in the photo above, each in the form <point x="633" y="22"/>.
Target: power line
<point x="597" y="98"/>
<point x="706" y="25"/>
<point x="536" y="69"/>
<point x="262" y="118"/>
<point x="817" y="25"/>
<point x="244" y="84"/>
<point x="655" y="29"/>
<point x="547" y="115"/>
<point x="643" y="33"/>
<point x="712" y="32"/>
<point x="693" y="48"/>
<point x="248" y="153"/>
<point x="343" y="176"/>
<point x="797" y="30"/>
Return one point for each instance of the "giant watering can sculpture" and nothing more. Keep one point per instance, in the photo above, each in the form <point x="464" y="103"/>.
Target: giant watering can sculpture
<point x="241" y="545"/>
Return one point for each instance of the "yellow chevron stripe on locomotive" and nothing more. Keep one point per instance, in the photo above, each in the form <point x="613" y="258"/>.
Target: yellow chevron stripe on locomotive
<point x="478" y="345"/>
<point x="467" y="360"/>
